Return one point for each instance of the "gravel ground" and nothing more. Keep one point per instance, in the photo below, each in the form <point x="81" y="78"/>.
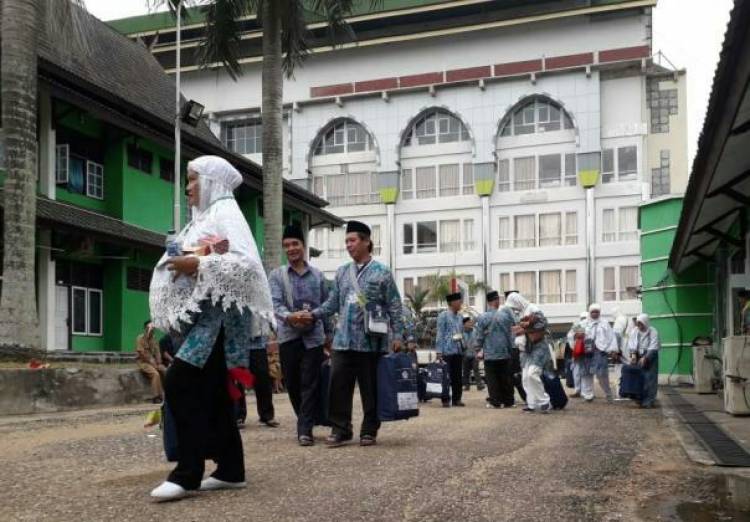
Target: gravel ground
<point x="594" y="461"/>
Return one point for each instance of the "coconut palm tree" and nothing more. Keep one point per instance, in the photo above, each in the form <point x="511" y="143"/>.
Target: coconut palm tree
<point x="23" y="23"/>
<point x="440" y="285"/>
<point x="285" y="46"/>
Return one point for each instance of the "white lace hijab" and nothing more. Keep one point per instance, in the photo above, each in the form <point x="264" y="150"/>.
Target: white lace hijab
<point x="236" y="277"/>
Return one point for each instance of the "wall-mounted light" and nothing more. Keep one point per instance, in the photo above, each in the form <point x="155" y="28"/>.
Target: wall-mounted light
<point x="192" y="112"/>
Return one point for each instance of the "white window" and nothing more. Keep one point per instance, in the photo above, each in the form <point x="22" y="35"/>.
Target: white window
<point x="608" y="166"/>
<point x="571" y="228"/>
<point x="408" y="286"/>
<point x="628" y="223"/>
<point x="62" y="163"/>
<point x="538" y="115"/>
<point x="524" y="173"/>
<point x="375" y="237"/>
<point x="450" y="239"/>
<point x="550" y="230"/>
<point x="425" y="177"/>
<point x="336" y="243"/>
<point x="468" y="238"/>
<point x="94" y="180"/>
<point x="571" y="295"/>
<point x="505" y="234"/>
<point x="336" y="189"/>
<point x="609" y="226"/>
<point x="504" y="285"/>
<point x="436" y="127"/>
<point x="244" y="137"/>
<point x="468" y="179"/>
<point x="317" y="238"/>
<point x="609" y="287"/>
<point x="347" y="188"/>
<point x="344" y="136"/>
<point x="629" y="283"/>
<point x="550" y="287"/>
<point x="360" y="188"/>
<point x="319" y="186"/>
<point x="449" y="180"/>
<point x="408" y="239"/>
<point x="426" y="237"/>
<point x="526" y="285"/>
<point x="627" y="163"/>
<point x="525" y="231"/>
<point x="407" y="184"/>
<point x="549" y="170"/>
<point x="503" y="175"/>
<point x="571" y="175"/>
<point x="87" y="311"/>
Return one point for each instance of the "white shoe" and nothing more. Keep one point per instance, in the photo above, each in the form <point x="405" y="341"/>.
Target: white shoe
<point x="588" y="399"/>
<point x="168" y="491"/>
<point x="211" y="484"/>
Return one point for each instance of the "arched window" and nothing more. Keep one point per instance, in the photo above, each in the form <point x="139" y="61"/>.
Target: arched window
<point x="536" y="115"/>
<point x="344" y="136"/>
<point x="436" y="126"/>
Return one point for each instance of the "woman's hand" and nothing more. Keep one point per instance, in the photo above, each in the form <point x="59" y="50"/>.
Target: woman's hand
<point x="187" y="265"/>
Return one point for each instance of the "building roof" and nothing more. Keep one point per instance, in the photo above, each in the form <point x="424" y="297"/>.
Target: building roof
<point x="719" y="187"/>
<point x="121" y="80"/>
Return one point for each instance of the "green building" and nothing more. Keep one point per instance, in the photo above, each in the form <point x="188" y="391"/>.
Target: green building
<point x="106" y="189"/>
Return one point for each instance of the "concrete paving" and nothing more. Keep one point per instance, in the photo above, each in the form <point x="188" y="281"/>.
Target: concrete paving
<point x="593" y="461"/>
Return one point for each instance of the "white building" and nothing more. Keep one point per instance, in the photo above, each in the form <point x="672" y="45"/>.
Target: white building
<point x="461" y="132"/>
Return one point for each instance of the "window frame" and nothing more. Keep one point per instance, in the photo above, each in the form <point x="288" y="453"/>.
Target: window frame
<point x="87" y="311"/>
<point x="58" y="148"/>
<point x="96" y="166"/>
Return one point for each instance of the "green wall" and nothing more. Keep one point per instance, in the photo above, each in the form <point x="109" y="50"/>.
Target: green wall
<point x="680" y="306"/>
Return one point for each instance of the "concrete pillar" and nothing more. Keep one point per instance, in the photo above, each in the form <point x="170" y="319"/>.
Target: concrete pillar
<point x="47" y="142"/>
<point x="390" y="225"/>
<point x="46" y="289"/>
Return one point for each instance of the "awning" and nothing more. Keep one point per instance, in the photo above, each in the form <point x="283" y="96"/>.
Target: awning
<point x="718" y="192"/>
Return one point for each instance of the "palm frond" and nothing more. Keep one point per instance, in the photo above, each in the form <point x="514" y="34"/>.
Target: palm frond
<point x="223" y="34"/>
<point x="294" y="35"/>
<point x="68" y="20"/>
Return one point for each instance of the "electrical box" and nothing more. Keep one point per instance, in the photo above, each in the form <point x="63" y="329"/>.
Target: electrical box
<point x="703" y="368"/>
<point x="736" y="369"/>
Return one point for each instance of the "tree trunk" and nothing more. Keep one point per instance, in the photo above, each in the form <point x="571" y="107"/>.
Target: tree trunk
<point x="273" y="92"/>
<point x="21" y="23"/>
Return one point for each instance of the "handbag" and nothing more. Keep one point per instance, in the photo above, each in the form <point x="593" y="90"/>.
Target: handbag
<point x="375" y="318"/>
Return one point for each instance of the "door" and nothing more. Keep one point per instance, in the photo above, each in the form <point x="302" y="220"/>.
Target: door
<point x="62" y="328"/>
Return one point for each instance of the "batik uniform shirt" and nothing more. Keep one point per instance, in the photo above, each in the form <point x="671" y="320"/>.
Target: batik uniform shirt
<point x="470" y="350"/>
<point x="377" y="286"/>
<point x="308" y="288"/>
<point x="537" y="354"/>
<point x="410" y="326"/>
<point x="201" y="335"/>
<point x="493" y="334"/>
<point x="448" y="325"/>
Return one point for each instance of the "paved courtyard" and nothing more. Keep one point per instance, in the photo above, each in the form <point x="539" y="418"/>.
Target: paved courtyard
<point x="590" y="462"/>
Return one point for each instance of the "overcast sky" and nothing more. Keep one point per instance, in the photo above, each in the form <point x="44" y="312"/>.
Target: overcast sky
<point x="688" y="32"/>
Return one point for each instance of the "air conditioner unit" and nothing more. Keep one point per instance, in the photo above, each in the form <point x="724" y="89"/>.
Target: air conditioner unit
<point x="737" y="375"/>
<point x="703" y="368"/>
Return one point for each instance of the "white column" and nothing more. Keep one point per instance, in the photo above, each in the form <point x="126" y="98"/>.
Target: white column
<point x="486" y="240"/>
<point x="46" y="289"/>
<point x="390" y="230"/>
<point x="47" y="142"/>
<point x="590" y="244"/>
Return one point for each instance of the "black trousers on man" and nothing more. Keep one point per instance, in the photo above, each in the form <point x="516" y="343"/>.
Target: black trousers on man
<point x="515" y="369"/>
<point x="258" y="365"/>
<point x="499" y="382"/>
<point x="204" y="420"/>
<point x="471" y="364"/>
<point x="347" y="369"/>
<point x="301" y="369"/>
<point x="455" y="370"/>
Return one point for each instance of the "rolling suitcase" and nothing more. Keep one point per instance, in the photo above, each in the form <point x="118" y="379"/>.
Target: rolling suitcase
<point x="397" y="388"/>
<point x="438" y="382"/>
<point x="631" y="382"/>
<point x="557" y="396"/>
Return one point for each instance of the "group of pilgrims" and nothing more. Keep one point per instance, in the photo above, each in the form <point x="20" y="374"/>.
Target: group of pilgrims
<point x="220" y="307"/>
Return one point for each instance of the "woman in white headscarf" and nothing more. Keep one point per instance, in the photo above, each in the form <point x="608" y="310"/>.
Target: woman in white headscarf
<point x="643" y="345"/>
<point x="520" y="307"/>
<point x="599" y="340"/>
<point x="219" y="303"/>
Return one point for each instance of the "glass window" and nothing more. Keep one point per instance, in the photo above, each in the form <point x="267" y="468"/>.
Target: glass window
<point x="537" y="115"/>
<point x="468" y="179"/>
<point x="609" y="228"/>
<point x="525" y="231"/>
<point x="628" y="225"/>
<point x="319" y="186"/>
<point x="550" y="289"/>
<point x="505" y="235"/>
<point x="608" y="165"/>
<point x="450" y="239"/>
<point x="504" y="285"/>
<point x="627" y="163"/>
<point x="571" y="228"/>
<point x="609" y="288"/>
<point x="77" y="174"/>
<point x="408" y="238"/>
<point x="79" y="311"/>
<point x="407" y="184"/>
<point x="449" y="180"/>
<point x="336" y="189"/>
<point x="244" y="137"/>
<point x="549" y="170"/>
<point x="629" y="283"/>
<point x="425" y="177"/>
<point x="140" y="159"/>
<point x="524" y="173"/>
<point x="62" y="157"/>
<point x="336" y="243"/>
<point x="550" y="231"/>
<point x="408" y="286"/>
<point x="526" y="285"/>
<point x="503" y="171"/>
<point x="571" y="175"/>
<point x="343" y="136"/>
<point x="427" y="237"/>
<point x="94" y="180"/>
<point x="166" y="169"/>
<point x="436" y="127"/>
<point x="469" y="235"/>
<point x="571" y="295"/>
<point x="360" y="188"/>
<point x="95" y="312"/>
<point x="375" y="237"/>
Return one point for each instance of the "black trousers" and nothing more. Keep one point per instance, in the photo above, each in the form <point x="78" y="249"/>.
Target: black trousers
<point x="499" y="382"/>
<point x="518" y="383"/>
<point x="347" y="369"/>
<point x="204" y="420"/>
<point x="258" y="365"/>
<point x="471" y="364"/>
<point x="455" y="370"/>
<point x="301" y="369"/>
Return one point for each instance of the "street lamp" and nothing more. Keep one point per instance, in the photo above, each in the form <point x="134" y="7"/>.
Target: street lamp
<point x="192" y="112"/>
